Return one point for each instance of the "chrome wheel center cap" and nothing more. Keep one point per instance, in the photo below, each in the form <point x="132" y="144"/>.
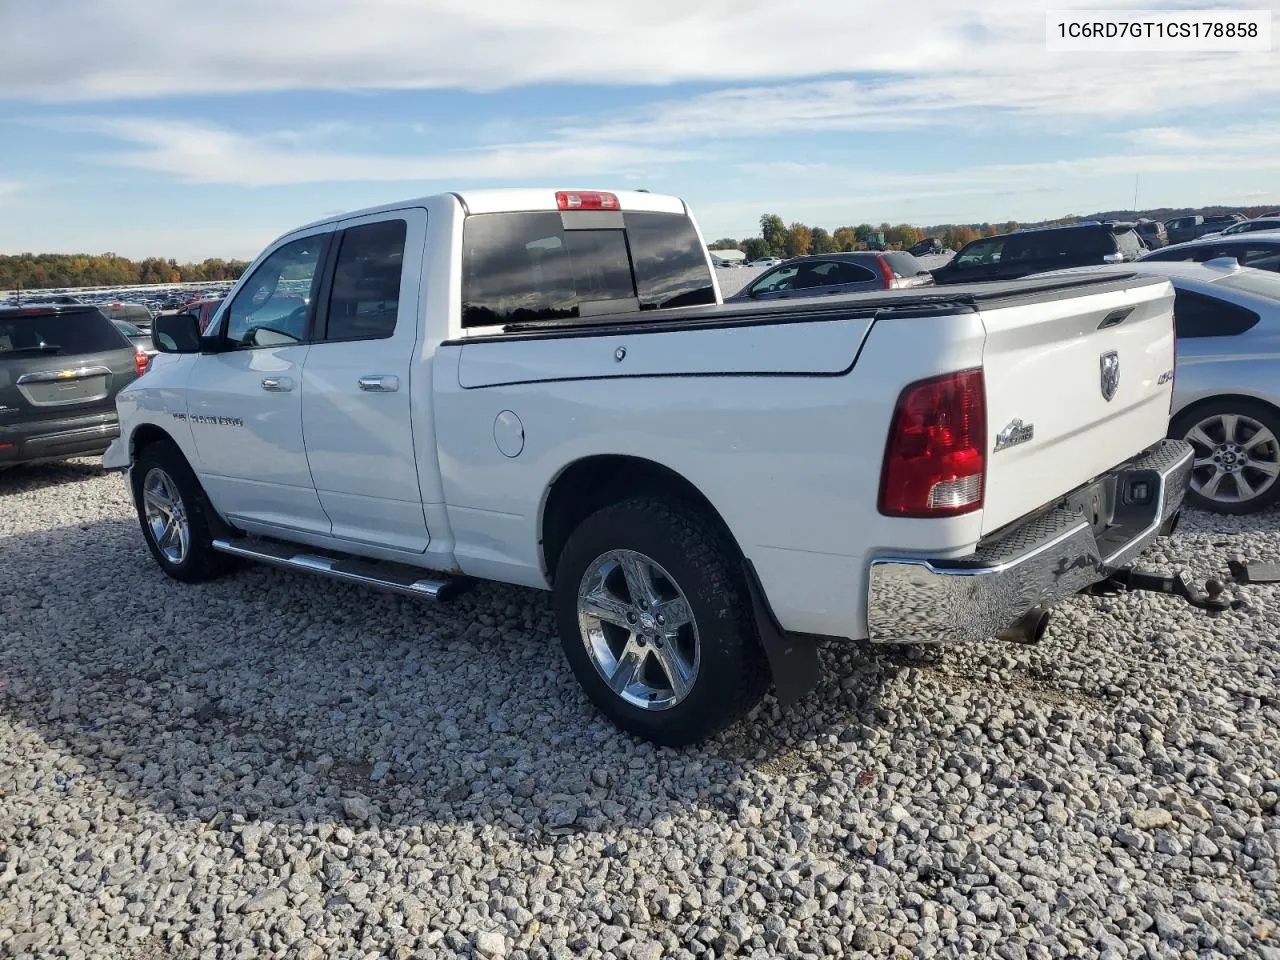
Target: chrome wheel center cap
<point x="648" y="624"/>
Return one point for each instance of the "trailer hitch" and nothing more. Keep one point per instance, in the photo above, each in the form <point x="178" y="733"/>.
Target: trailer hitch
<point x="1213" y="597"/>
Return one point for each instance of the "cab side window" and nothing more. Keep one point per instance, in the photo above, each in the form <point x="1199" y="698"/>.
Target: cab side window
<point x="274" y="307"/>
<point x="366" y="282"/>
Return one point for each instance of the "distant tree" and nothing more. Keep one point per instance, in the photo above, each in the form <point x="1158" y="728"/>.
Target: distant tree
<point x="756" y="249"/>
<point x="822" y="242"/>
<point x="1011" y="226"/>
<point x="845" y="238"/>
<point x="728" y="243"/>
<point x="798" y="239"/>
<point x="903" y="235"/>
<point x="989" y="230"/>
<point x="862" y="231"/>
<point x="774" y="233"/>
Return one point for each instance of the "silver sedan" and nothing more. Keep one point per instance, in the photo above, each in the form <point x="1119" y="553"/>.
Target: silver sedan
<point x="1226" y="399"/>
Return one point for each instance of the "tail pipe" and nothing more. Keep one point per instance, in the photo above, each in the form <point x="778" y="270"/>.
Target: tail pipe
<point x="1028" y="628"/>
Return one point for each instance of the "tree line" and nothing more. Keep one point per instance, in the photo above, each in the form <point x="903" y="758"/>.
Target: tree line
<point x="777" y="239"/>
<point x="39" y="271"/>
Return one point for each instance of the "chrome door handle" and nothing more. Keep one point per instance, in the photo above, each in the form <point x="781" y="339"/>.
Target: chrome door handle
<point x="380" y="384"/>
<point x="277" y="384"/>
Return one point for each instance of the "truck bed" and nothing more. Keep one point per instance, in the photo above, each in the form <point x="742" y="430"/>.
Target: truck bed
<point x="935" y="301"/>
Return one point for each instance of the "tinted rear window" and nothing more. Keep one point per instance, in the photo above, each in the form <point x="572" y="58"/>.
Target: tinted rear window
<point x="1196" y="315"/>
<point x="903" y="264"/>
<point x="670" y="267"/>
<point x="525" y="267"/>
<point x="81" y="332"/>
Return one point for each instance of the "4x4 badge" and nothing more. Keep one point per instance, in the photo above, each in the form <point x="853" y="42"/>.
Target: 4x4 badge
<point x="1015" y="433"/>
<point x="1110" y="364"/>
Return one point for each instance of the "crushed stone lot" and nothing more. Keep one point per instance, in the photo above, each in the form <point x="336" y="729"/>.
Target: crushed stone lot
<point x="273" y="765"/>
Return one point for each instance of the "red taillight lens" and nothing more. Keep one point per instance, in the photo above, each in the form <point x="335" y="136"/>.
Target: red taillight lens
<point x="141" y="361"/>
<point x="935" y="462"/>
<point x="586" y="200"/>
<point x="886" y="272"/>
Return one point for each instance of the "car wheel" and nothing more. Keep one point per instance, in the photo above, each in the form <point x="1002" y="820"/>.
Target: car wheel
<point x="1237" y="455"/>
<point x="174" y="515"/>
<point x="655" y="621"/>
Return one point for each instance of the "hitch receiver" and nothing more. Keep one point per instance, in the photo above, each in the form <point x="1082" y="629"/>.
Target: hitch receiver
<point x="1213" y="598"/>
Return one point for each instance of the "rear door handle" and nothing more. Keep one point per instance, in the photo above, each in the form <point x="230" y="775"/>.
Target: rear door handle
<point x="379" y="384"/>
<point x="277" y="384"/>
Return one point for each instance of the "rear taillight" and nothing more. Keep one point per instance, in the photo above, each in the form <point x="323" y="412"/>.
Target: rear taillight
<point x="141" y="361"/>
<point x="586" y="200"/>
<point x="886" y="272"/>
<point x="935" y="462"/>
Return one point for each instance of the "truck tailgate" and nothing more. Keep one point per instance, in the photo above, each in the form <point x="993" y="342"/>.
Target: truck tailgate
<point x="1075" y="386"/>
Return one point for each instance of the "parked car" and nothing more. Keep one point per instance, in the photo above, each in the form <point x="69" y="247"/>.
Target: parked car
<point x="704" y="487"/>
<point x="1183" y="229"/>
<point x="832" y="273"/>
<point x="61" y="367"/>
<point x="1247" y="226"/>
<point x="135" y="313"/>
<point x="1040" y="249"/>
<point x="203" y="311"/>
<point x="140" y="339"/>
<point x="1226" y="400"/>
<point x="928" y="247"/>
<point x="1153" y="233"/>
<point x="1258" y="250"/>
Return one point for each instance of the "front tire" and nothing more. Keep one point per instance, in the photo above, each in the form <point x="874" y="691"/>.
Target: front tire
<point x="655" y="621"/>
<point x="174" y="515"/>
<point x="1237" y="455"/>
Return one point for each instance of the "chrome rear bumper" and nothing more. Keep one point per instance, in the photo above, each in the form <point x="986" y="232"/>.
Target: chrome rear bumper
<point x="915" y="600"/>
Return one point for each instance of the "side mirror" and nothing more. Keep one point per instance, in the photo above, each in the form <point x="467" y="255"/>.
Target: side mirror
<point x="176" y="333"/>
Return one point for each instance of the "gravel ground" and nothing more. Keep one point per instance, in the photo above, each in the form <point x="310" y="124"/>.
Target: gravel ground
<point x="276" y="766"/>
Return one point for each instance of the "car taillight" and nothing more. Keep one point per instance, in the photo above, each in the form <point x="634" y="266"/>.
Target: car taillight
<point x="935" y="461"/>
<point x="886" y="272"/>
<point x="586" y="200"/>
<point x="141" y="361"/>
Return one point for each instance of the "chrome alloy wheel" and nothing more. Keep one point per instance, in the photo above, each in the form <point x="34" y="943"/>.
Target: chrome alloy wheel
<point x="166" y="516"/>
<point x="1237" y="459"/>
<point x="638" y="630"/>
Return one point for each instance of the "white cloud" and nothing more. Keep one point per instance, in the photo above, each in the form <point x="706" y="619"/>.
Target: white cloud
<point x="200" y="153"/>
<point x="114" y="49"/>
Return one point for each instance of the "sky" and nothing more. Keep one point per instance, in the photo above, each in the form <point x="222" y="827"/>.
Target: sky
<point x="193" y="129"/>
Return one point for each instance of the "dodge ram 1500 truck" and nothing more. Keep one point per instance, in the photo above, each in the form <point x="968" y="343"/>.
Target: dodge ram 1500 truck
<point x="545" y="388"/>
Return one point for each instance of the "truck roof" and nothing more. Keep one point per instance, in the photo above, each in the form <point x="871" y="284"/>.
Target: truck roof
<point x="510" y="200"/>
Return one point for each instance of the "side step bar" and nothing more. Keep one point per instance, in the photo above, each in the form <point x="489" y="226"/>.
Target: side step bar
<point x="398" y="578"/>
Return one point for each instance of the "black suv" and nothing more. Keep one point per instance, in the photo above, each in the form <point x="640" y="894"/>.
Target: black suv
<point x="1038" y="249"/>
<point x="60" y="370"/>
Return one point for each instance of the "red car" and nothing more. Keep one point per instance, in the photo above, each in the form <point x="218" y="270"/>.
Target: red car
<point x="203" y="311"/>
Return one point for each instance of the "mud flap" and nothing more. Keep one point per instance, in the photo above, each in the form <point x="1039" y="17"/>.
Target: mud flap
<point x="793" y="658"/>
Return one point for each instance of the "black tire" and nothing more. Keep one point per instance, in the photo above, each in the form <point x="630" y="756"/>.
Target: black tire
<point x="1258" y="412"/>
<point x="733" y="673"/>
<point x="200" y="562"/>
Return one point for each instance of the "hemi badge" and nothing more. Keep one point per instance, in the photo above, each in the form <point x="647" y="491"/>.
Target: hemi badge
<point x="1015" y="433"/>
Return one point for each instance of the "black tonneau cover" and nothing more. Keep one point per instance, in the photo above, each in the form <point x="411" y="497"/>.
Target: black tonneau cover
<point x="926" y="301"/>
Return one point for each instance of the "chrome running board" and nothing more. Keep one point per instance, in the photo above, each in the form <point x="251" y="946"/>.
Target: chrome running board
<point x="395" y="577"/>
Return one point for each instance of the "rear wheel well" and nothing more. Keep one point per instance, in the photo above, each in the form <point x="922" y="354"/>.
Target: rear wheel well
<point x="596" y="482"/>
<point x="1198" y="405"/>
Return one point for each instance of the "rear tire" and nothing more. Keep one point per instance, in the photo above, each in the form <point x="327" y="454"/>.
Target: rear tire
<point x="174" y="514"/>
<point x="1237" y="455"/>
<point x="656" y="622"/>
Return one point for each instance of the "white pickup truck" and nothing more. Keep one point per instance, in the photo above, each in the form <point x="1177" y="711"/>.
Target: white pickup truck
<point x="544" y="388"/>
